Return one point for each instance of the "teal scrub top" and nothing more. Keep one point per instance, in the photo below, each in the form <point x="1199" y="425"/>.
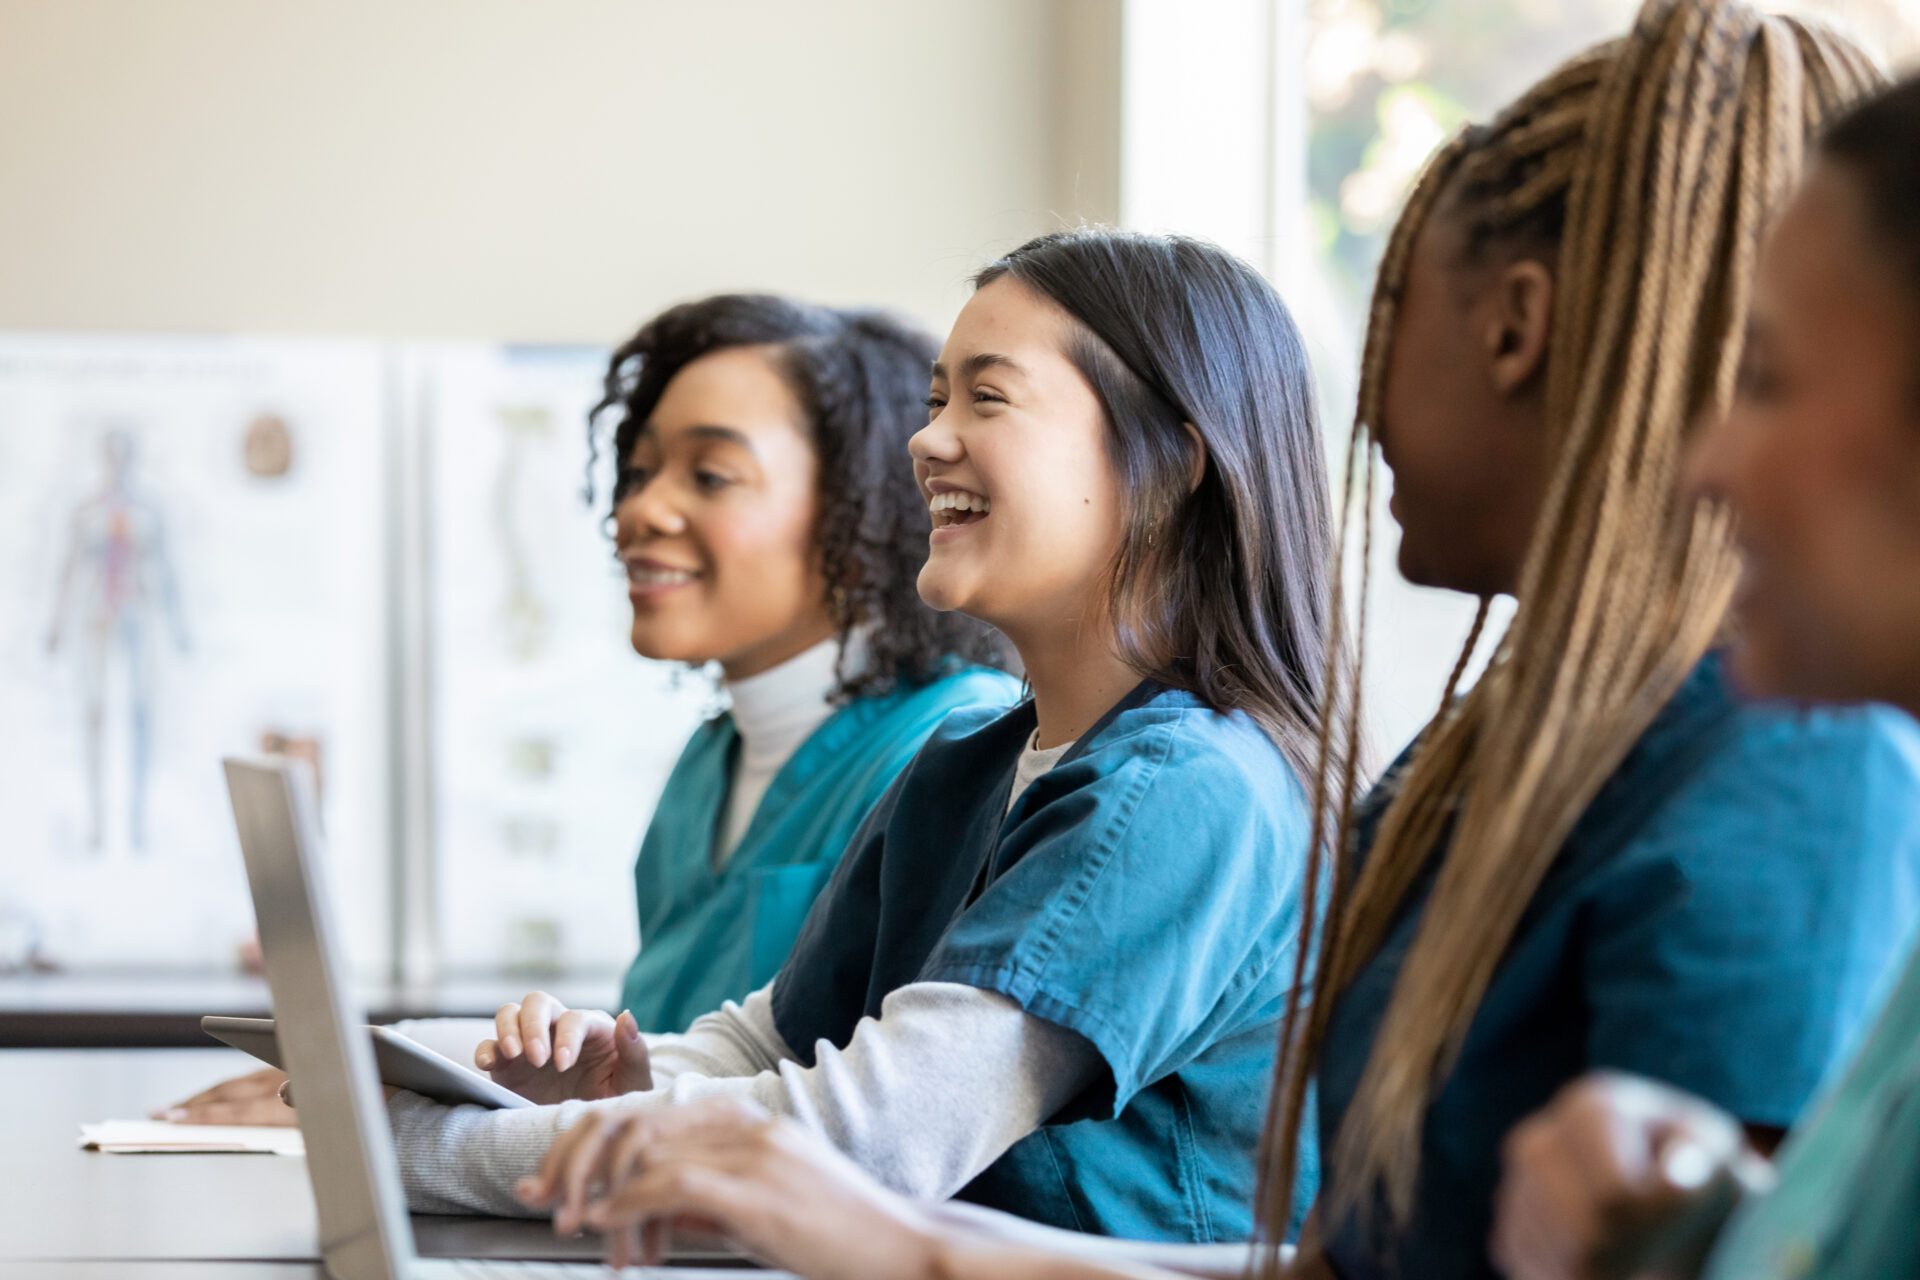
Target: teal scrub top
<point x="709" y="936"/>
<point x="1721" y="918"/>
<point x="1848" y="1201"/>
<point x="1145" y="893"/>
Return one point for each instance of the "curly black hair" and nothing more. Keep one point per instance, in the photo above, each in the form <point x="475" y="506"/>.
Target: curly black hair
<point x="861" y="379"/>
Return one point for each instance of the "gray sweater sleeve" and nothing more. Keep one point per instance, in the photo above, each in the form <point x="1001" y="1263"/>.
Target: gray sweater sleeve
<point x="923" y="1097"/>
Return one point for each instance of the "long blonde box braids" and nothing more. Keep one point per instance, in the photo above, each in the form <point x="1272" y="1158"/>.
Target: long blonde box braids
<point x="1671" y="148"/>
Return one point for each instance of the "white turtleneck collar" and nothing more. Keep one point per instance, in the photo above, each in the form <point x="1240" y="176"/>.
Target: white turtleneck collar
<point x="775" y="712"/>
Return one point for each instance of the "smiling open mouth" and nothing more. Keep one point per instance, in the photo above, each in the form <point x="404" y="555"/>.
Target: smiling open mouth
<point x="642" y="576"/>
<point x="958" y="507"/>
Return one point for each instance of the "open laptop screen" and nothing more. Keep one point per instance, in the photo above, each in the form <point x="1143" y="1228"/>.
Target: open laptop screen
<point x="350" y="1160"/>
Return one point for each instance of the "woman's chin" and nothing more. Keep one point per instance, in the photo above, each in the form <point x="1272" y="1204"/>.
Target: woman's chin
<point x="657" y="644"/>
<point x="938" y="591"/>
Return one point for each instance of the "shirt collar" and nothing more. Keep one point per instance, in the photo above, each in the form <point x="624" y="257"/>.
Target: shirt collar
<point x="777" y="709"/>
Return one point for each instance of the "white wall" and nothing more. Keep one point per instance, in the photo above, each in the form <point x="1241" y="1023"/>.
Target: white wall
<point x="536" y="172"/>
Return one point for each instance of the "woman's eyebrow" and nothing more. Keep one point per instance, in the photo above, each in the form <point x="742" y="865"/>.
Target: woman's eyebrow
<point x="981" y="361"/>
<point x="725" y="435"/>
<point x="701" y="431"/>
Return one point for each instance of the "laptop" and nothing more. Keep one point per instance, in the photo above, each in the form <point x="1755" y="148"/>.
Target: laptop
<point x="365" y="1231"/>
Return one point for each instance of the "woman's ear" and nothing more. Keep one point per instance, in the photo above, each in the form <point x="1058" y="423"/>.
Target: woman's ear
<point x="1521" y="324"/>
<point x="1197" y="469"/>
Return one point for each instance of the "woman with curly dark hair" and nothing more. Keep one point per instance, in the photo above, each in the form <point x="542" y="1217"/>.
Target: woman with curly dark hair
<point x="766" y="514"/>
<point x="769" y="523"/>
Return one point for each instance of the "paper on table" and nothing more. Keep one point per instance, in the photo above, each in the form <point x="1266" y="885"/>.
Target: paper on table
<point x="123" y="1137"/>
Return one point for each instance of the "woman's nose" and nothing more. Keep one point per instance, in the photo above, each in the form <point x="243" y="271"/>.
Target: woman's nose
<point x="935" y="442"/>
<point x="649" y="509"/>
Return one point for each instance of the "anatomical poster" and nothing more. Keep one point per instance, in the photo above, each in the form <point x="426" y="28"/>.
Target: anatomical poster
<point x="551" y="739"/>
<point x="193" y="544"/>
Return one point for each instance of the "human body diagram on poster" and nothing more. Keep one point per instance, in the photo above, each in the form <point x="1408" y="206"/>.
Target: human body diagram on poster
<point x="117" y="591"/>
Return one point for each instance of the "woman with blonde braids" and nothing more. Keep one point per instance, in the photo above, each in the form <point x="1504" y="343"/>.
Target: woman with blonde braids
<point x="1596" y="858"/>
<point x="1820" y="459"/>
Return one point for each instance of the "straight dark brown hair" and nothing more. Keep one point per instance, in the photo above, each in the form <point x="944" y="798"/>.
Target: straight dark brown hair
<point x="1220" y="588"/>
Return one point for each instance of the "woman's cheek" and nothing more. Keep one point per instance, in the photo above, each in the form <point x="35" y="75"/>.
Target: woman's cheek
<point x="750" y="544"/>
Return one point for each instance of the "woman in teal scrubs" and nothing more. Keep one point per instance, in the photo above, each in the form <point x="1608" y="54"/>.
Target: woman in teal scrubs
<point x="768" y="524"/>
<point x="1047" y="974"/>
<point x="1820" y="460"/>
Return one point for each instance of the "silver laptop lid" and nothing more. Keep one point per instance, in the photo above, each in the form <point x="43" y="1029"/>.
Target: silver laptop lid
<point x="364" y="1230"/>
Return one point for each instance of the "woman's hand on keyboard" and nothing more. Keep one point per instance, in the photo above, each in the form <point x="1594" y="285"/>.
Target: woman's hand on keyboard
<point x="724" y="1165"/>
<point x="544" y="1051"/>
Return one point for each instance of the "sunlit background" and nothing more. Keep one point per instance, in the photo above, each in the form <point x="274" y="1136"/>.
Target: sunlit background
<point x="302" y="309"/>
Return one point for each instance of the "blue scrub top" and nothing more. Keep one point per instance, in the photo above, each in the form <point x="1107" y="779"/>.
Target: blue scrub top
<point x="1720" y="918"/>
<point x="1144" y="893"/>
<point x="707" y="937"/>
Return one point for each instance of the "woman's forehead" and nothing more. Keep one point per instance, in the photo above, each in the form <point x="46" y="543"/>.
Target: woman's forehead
<point x="1005" y="317"/>
<point x="739" y="388"/>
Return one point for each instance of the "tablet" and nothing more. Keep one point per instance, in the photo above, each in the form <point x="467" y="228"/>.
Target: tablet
<point x="403" y="1063"/>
